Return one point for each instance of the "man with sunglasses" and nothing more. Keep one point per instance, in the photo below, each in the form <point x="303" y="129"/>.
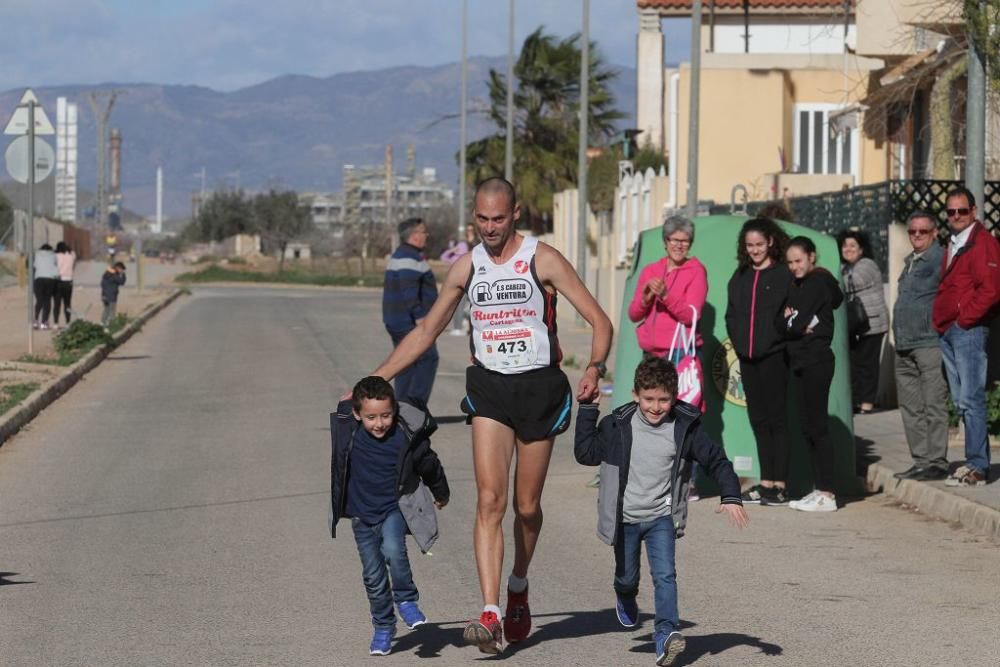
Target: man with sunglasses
<point x="920" y="385"/>
<point x="965" y="303"/>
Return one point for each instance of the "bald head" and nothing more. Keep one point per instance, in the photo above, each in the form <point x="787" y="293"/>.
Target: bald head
<point x="497" y="186"/>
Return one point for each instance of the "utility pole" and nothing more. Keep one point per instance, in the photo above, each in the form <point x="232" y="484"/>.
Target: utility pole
<point x="462" y="114"/>
<point x="101" y="116"/>
<point x="581" y="170"/>
<point x="975" y="125"/>
<point x="394" y="238"/>
<point x="695" y="93"/>
<point x="508" y="166"/>
<point x="30" y="235"/>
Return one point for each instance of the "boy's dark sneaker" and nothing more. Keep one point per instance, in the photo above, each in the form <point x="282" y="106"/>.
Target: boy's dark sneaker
<point x="753" y="495"/>
<point x="382" y="641"/>
<point x="627" y="609"/>
<point x="411" y="614"/>
<point x="486" y="633"/>
<point x="517" y="619"/>
<point x="774" y="496"/>
<point x="668" y="647"/>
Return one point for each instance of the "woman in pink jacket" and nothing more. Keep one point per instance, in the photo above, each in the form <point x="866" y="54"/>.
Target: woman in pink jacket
<point x="667" y="290"/>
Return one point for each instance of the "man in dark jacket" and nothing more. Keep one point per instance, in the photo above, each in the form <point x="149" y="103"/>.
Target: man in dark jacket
<point x="381" y="454"/>
<point x="111" y="282"/>
<point x="966" y="301"/>
<point x="410" y="291"/>
<point x="920" y="384"/>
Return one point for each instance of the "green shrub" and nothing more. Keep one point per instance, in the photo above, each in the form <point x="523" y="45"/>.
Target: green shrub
<point x="118" y="322"/>
<point x="78" y="339"/>
<point x="237" y="260"/>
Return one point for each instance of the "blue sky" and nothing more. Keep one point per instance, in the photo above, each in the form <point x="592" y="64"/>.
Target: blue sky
<point x="229" y="44"/>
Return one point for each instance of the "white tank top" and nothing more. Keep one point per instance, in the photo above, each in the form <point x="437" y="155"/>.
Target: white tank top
<point x="513" y="317"/>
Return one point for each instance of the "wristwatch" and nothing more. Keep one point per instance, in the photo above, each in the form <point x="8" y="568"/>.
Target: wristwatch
<point x="601" y="367"/>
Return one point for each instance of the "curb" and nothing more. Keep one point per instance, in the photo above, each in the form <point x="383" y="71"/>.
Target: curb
<point x="935" y="502"/>
<point x="42" y="397"/>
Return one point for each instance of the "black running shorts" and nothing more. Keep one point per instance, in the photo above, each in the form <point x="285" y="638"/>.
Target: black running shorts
<point x="536" y="404"/>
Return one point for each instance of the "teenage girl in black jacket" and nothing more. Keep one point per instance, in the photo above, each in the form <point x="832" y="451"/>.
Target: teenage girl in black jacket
<point x="758" y="292"/>
<point x="815" y="294"/>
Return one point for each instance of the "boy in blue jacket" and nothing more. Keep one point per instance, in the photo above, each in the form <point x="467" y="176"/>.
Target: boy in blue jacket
<point x="386" y="478"/>
<point x="645" y="449"/>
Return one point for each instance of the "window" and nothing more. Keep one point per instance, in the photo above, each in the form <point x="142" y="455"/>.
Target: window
<point x="818" y="150"/>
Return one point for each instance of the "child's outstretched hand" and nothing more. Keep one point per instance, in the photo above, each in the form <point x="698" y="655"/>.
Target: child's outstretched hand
<point x="440" y="504"/>
<point x="737" y="515"/>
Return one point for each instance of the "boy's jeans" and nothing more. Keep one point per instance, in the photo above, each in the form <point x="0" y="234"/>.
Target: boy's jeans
<point x="964" y="353"/>
<point x="108" y="313"/>
<point x="658" y="534"/>
<point x="379" y="545"/>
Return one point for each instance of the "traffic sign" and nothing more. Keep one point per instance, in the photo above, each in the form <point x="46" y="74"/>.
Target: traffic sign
<point x="18" y="123"/>
<point x="17" y="159"/>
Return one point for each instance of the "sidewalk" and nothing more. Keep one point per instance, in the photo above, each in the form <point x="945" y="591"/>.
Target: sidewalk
<point x="882" y="451"/>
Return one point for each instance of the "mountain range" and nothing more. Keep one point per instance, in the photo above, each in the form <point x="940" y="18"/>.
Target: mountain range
<point x="291" y="131"/>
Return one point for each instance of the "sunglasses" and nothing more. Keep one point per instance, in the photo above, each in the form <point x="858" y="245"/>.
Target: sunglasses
<point x="952" y="212"/>
<point x="919" y="232"/>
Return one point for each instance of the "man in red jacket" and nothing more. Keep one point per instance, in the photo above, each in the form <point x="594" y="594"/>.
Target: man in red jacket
<point x="966" y="301"/>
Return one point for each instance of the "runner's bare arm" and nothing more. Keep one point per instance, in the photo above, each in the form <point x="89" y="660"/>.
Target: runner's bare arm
<point x="553" y="269"/>
<point x="431" y="326"/>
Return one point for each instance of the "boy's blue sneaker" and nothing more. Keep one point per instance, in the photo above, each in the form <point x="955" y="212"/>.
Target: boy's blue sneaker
<point x="627" y="609"/>
<point x="668" y="647"/>
<point x="411" y="614"/>
<point x="382" y="641"/>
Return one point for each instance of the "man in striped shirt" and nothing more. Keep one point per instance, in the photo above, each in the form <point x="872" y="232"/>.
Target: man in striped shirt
<point x="410" y="291"/>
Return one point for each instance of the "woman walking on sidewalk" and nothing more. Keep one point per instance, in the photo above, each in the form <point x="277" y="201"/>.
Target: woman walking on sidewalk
<point x="814" y="295"/>
<point x="46" y="275"/>
<point x="66" y="262"/>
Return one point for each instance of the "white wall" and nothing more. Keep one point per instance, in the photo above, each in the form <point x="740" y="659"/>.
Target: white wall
<point x="806" y="37"/>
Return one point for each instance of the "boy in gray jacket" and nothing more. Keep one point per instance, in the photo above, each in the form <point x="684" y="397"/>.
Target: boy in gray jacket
<point x="386" y="478"/>
<point x="645" y="449"/>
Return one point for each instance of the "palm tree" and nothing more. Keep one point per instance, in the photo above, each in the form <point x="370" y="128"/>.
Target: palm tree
<point x="546" y="108"/>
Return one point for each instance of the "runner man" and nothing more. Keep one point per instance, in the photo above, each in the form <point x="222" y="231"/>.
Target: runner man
<point x="517" y="398"/>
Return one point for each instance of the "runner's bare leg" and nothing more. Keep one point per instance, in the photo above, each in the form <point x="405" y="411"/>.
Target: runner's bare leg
<point x="492" y="451"/>
<point x="529" y="480"/>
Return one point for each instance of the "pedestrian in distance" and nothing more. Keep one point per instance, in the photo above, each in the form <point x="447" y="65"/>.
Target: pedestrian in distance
<point x="111" y="283"/>
<point x="460" y="321"/>
<point x="517" y="398"/>
<point x="409" y="293"/>
<point x="66" y="261"/>
<point x="863" y="279"/>
<point x="388" y="481"/>
<point x="44" y="284"/>
<point x="757" y="295"/>
<point x="920" y="382"/>
<point x="813" y="297"/>
<point x="645" y="449"/>
<point x="966" y="301"/>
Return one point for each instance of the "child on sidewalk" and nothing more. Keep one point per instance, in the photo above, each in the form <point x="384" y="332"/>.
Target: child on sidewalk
<point x="645" y="449"/>
<point x="111" y="282"/>
<point x="380" y="476"/>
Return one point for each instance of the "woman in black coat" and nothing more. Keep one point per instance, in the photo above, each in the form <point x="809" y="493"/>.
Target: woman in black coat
<point x="758" y="291"/>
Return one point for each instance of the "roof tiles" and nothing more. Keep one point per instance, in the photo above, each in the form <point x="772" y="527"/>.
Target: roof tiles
<point x="772" y="6"/>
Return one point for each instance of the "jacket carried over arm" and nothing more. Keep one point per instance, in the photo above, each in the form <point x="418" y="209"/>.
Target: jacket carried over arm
<point x="609" y="445"/>
<point x="418" y="463"/>
<point x="687" y="287"/>
<point x="410" y="290"/>
<point x="970" y="285"/>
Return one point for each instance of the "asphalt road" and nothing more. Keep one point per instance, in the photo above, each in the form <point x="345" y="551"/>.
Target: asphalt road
<point x="171" y="510"/>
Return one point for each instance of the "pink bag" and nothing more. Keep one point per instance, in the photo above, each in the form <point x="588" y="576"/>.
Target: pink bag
<point x="684" y="355"/>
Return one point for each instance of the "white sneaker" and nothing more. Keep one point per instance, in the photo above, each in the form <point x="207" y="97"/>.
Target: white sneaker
<point x="793" y="504"/>
<point x="816" y="502"/>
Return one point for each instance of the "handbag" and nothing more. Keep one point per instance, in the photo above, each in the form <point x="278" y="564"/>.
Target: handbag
<point x="857" y="316"/>
<point x="684" y="355"/>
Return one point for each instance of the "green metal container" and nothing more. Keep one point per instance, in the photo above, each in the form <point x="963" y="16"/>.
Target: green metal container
<point x="726" y="417"/>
